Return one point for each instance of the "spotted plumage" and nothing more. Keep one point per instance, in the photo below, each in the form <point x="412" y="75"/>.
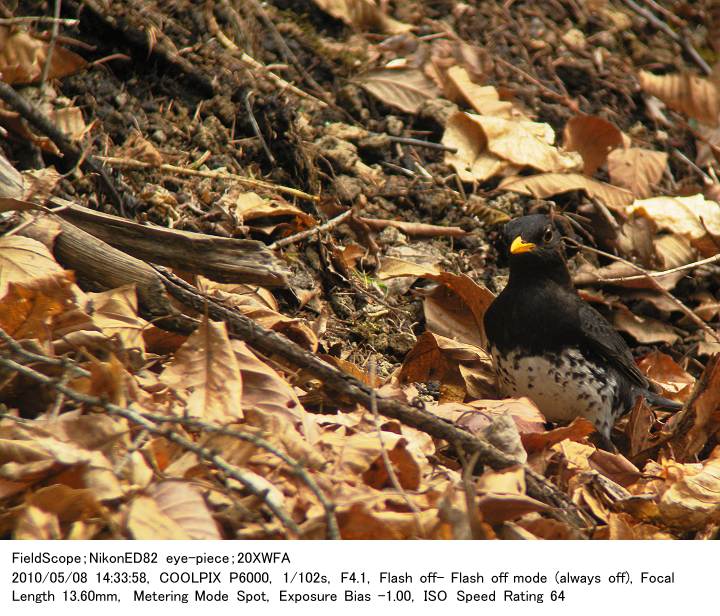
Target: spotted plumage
<point x="551" y="346"/>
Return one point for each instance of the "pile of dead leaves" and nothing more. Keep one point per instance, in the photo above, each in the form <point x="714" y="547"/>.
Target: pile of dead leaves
<point x="114" y="427"/>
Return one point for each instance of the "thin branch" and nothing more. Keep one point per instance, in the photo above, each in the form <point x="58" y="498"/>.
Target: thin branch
<point x="247" y="99"/>
<point x="680" y="40"/>
<point x="75" y="156"/>
<point x="129" y="163"/>
<point x="674" y="270"/>
<point x="656" y="285"/>
<point x="202" y="452"/>
<point x="55" y="30"/>
<point x="326" y="226"/>
<point x="389" y="468"/>
<point x="294" y="466"/>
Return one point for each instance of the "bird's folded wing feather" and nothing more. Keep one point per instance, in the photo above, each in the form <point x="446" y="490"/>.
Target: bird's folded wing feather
<point x="602" y="338"/>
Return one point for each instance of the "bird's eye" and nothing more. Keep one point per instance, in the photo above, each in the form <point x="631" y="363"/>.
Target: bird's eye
<point x="548" y="235"/>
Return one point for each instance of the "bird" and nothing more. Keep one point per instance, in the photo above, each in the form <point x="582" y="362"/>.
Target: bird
<point x="551" y="346"/>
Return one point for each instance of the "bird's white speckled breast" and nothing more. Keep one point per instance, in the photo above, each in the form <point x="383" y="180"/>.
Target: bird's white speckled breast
<point x="563" y="385"/>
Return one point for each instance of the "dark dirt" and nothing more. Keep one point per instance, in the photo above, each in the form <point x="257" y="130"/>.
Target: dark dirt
<point x="197" y="108"/>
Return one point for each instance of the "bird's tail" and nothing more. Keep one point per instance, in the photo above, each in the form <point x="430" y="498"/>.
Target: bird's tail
<point x="659" y="401"/>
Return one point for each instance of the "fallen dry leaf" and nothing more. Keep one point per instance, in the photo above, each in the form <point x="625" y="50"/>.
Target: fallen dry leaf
<point x="549" y="184"/>
<point x="404" y="88"/>
<point x="485" y="100"/>
<point x="28" y="263"/>
<point x="182" y="504"/>
<point x="22" y="58"/>
<point x="593" y="138"/>
<point x="645" y="330"/>
<point x="692" y="95"/>
<point x="363" y="15"/>
<point x="205" y="367"/>
<point x="691" y="217"/>
<point x="636" y="169"/>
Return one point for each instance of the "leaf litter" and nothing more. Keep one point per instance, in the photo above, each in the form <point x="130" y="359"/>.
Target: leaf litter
<point x="117" y="422"/>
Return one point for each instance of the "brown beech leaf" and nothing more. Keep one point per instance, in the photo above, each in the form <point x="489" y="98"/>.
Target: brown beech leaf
<point x="700" y="420"/>
<point x="692" y="95"/>
<point x="261" y="213"/>
<point x="22" y="58"/>
<point x="691" y="217"/>
<point x="259" y="305"/>
<point x="645" y="330"/>
<point x="114" y="313"/>
<point x="546" y="185"/>
<point x="145" y="520"/>
<point x="502" y="495"/>
<point x="638" y="426"/>
<point x="593" y="138"/>
<point x="27" y="262"/>
<point x="693" y="498"/>
<point x="363" y="15"/>
<point x="578" y="429"/>
<point x="624" y="527"/>
<point x="263" y="389"/>
<point x="34" y="523"/>
<point x="181" y="502"/>
<point x="455" y="309"/>
<point x="615" y="466"/>
<point x="436" y="358"/>
<point x="520" y="143"/>
<point x="205" y="367"/>
<point x="407" y="470"/>
<point x="471" y="160"/>
<point x="525" y="414"/>
<point x="404" y="88"/>
<point x="662" y="369"/>
<point x="483" y="99"/>
<point x="636" y="169"/>
<point x="28" y="313"/>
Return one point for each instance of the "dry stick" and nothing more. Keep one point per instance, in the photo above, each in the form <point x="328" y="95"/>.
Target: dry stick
<point x="326" y="226"/>
<point x="679" y="268"/>
<point x="200" y="451"/>
<point x="40" y="121"/>
<point x="392" y="475"/>
<point x="421" y="143"/>
<point x="285" y="51"/>
<point x="252" y="62"/>
<point x="129" y="163"/>
<point x="656" y="285"/>
<point x="661" y="25"/>
<point x="256" y="128"/>
<point x="346" y="387"/>
<point x="40" y="19"/>
<point x="138" y="39"/>
<point x="51" y="46"/>
<point x="565" y="100"/>
<point x="413" y="228"/>
<point x="295" y="467"/>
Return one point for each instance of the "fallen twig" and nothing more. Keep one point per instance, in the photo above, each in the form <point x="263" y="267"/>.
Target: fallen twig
<point x="656" y="285"/>
<point x="347" y="388"/>
<point x="680" y="40"/>
<point x="129" y="163"/>
<point x="414" y="228"/>
<point x="326" y="226"/>
<point x="74" y="155"/>
<point x="252" y="62"/>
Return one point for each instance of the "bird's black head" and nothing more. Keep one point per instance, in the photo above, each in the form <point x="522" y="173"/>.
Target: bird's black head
<point x="535" y="246"/>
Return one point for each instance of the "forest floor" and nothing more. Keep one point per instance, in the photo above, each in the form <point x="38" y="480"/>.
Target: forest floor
<point x="338" y="173"/>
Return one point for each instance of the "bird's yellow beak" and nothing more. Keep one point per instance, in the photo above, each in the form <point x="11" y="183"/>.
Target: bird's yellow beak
<point x="518" y="246"/>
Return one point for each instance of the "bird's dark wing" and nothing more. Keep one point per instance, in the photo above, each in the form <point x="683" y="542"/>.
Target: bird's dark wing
<point x="602" y="338"/>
